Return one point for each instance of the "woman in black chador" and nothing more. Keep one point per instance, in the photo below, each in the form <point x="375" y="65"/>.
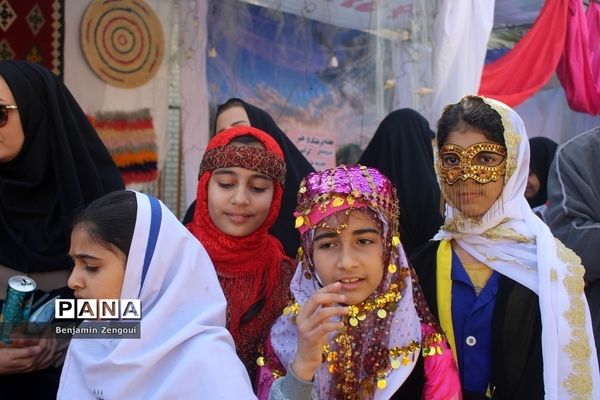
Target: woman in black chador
<point x="52" y="164"/>
<point x="401" y="148"/>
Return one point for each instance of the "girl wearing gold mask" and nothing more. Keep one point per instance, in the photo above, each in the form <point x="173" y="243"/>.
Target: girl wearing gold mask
<point x="507" y="293"/>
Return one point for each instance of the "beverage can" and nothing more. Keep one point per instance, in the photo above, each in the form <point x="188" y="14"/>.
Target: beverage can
<point x="17" y="306"/>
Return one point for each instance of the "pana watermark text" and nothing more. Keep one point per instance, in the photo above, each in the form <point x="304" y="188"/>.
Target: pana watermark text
<point x="104" y="309"/>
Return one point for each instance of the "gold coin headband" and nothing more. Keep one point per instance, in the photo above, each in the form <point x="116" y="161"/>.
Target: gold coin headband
<point x="467" y="166"/>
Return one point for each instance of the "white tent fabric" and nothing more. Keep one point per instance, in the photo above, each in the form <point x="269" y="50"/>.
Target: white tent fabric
<point x="353" y="14"/>
<point x="461" y="33"/>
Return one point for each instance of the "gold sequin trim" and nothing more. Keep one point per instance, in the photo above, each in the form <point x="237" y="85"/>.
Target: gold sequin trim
<point x="432" y="345"/>
<point x="262" y="361"/>
<point x="511" y="137"/>
<point x="459" y="223"/>
<point x="568" y="256"/>
<point x="579" y="381"/>
<point x="502" y="233"/>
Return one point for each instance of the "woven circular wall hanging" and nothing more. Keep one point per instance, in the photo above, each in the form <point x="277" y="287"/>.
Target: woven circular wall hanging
<point x="122" y="41"/>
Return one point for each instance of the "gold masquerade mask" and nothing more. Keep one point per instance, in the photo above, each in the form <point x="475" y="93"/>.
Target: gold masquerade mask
<point x="482" y="162"/>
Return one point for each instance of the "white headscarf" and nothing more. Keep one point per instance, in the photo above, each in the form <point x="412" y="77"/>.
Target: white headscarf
<point x="512" y="240"/>
<point x="184" y="352"/>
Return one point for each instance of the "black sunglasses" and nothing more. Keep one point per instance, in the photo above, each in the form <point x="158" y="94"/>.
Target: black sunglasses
<point x="4" y="112"/>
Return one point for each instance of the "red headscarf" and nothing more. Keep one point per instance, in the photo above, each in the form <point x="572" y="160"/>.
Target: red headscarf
<point x="248" y="267"/>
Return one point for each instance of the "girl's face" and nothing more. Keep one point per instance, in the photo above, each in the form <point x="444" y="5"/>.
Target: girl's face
<point x="233" y="116"/>
<point x="11" y="134"/>
<point x="98" y="272"/>
<point x="354" y="256"/>
<point x="470" y="197"/>
<point x="239" y="200"/>
<point x="533" y="185"/>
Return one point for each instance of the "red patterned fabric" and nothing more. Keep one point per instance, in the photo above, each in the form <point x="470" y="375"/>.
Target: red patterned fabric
<point x="579" y="67"/>
<point x="33" y="30"/>
<point x="250" y="267"/>
<point x="531" y="63"/>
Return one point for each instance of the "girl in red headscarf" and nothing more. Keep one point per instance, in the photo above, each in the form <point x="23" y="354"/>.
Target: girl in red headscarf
<point x="239" y="196"/>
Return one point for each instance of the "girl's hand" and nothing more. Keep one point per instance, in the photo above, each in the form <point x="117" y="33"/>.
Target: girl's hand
<point x="40" y="353"/>
<point x="318" y="318"/>
<point x="48" y="355"/>
<point x="18" y="359"/>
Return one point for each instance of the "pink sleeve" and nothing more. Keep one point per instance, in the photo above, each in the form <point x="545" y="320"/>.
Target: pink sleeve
<point x="442" y="381"/>
<point x="267" y="373"/>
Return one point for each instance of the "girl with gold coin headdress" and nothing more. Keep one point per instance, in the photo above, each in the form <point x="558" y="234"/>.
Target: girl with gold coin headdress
<point x="358" y="327"/>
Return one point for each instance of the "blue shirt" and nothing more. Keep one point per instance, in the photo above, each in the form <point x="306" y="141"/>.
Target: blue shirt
<point x="472" y="323"/>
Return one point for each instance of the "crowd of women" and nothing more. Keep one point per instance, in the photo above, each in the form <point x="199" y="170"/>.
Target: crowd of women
<point x="431" y="269"/>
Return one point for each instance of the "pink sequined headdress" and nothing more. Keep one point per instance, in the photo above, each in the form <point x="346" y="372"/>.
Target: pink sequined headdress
<point x="324" y="193"/>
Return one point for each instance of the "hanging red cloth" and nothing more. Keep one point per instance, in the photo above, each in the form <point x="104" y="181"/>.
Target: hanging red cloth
<point x="579" y="66"/>
<point x="593" y="20"/>
<point x="531" y="63"/>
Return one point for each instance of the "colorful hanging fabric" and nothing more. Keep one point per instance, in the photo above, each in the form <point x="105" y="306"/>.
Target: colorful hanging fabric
<point x="531" y="63"/>
<point x="579" y="66"/>
<point x="34" y="31"/>
<point x="130" y="138"/>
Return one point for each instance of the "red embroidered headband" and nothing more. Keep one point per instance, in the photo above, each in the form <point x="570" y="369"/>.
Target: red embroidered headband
<point x="248" y="157"/>
<point x="220" y="153"/>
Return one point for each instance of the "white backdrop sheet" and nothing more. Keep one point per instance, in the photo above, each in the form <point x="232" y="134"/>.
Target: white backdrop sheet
<point x="461" y="33"/>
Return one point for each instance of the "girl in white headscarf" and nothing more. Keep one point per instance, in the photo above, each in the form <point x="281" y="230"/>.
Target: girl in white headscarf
<point x="129" y="245"/>
<point x="507" y="293"/>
